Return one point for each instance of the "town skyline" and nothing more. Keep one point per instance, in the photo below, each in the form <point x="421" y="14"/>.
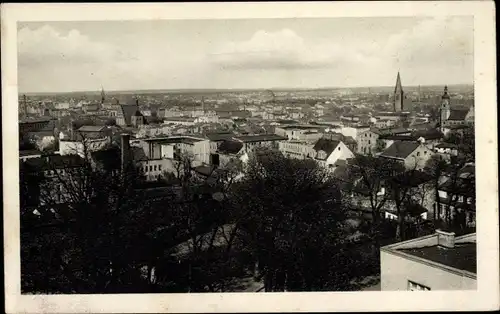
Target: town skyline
<point x="244" y="54"/>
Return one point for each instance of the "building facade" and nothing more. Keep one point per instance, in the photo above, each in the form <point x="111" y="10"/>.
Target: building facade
<point x="439" y="261"/>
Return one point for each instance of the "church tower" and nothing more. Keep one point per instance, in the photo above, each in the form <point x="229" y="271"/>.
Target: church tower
<point x="398" y="95"/>
<point x="444" y="110"/>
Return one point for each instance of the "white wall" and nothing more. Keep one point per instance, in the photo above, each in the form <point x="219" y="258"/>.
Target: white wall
<point x="397" y="270"/>
<point x="418" y="159"/>
<point x="341" y="152"/>
<point x="167" y="151"/>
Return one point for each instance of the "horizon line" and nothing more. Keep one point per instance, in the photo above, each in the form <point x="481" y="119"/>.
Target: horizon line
<point x="238" y="89"/>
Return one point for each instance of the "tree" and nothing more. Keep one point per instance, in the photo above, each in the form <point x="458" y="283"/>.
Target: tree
<point x="370" y="177"/>
<point x="291" y="220"/>
<point x="89" y="231"/>
<point x="458" y="181"/>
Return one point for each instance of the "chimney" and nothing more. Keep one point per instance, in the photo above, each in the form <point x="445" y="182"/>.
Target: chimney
<point x="125" y="151"/>
<point x="446" y="239"/>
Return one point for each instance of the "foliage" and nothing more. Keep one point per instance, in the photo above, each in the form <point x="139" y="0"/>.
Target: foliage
<point x="291" y="219"/>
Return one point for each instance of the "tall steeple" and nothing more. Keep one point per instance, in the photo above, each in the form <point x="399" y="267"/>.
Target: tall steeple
<point x="103" y="95"/>
<point x="398" y="95"/>
<point x="444" y="110"/>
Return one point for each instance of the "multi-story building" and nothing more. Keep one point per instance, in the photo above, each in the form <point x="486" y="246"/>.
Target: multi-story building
<point x="297" y="149"/>
<point x="440" y="261"/>
<point x="299" y="132"/>
<point x="367" y="141"/>
<point x="262" y="140"/>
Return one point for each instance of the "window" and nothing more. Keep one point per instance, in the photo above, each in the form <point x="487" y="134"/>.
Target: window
<point x="425" y="152"/>
<point x="418" y="153"/>
<point x="155" y="167"/>
<point x="413" y="286"/>
<point x="369" y="142"/>
<point x="150" y="168"/>
<point x="339" y="147"/>
<point x="159" y="167"/>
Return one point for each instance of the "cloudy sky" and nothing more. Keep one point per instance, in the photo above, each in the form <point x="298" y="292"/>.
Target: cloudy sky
<point x="253" y="53"/>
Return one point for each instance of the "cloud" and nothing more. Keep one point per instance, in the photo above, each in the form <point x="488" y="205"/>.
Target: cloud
<point x="439" y="41"/>
<point x="445" y="42"/>
<point x="282" y="49"/>
<point x="47" y="45"/>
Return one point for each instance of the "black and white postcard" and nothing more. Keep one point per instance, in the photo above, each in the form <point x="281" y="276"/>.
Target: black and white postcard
<point x="211" y="157"/>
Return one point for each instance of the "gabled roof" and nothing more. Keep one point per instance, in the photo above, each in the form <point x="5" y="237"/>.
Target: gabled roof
<point x="128" y="111"/>
<point x="458" y="114"/>
<point x="91" y="128"/>
<point x="326" y="145"/>
<point x="230" y="147"/>
<point x="400" y="149"/>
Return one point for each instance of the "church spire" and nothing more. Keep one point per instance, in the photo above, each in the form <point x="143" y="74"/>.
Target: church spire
<point x="103" y="95"/>
<point x="398" y="95"/>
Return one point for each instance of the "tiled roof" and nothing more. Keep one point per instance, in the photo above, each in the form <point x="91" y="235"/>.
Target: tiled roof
<point x="91" y="128"/>
<point x="230" y="147"/>
<point x="219" y="136"/>
<point x="261" y="138"/>
<point x="400" y="149"/>
<point x="326" y="145"/>
<point x="128" y="111"/>
<point x="458" y="114"/>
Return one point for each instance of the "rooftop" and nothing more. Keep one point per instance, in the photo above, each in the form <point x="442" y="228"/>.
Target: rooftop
<point x="261" y="138"/>
<point x="326" y="145"/>
<point x="91" y="128"/>
<point x="462" y="256"/>
<point x="458" y="114"/>
<point x="400" y="149"/>
<point x="230" y="147"/>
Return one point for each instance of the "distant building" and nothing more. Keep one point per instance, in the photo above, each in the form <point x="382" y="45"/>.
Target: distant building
<point x="129" y="115"/>
<point x="367" y="141"/>
<point x="436" y="262"/>
<point x="297" y="149"/>
<point x="413" y="155"/>
<point x="300" y="132"/>
<point x="261" y="140"/>
<point x="400" y="100"/>
<point x="449" y="118"/>
<point x="188" y="121"/>
<point x="331" y="153"/>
